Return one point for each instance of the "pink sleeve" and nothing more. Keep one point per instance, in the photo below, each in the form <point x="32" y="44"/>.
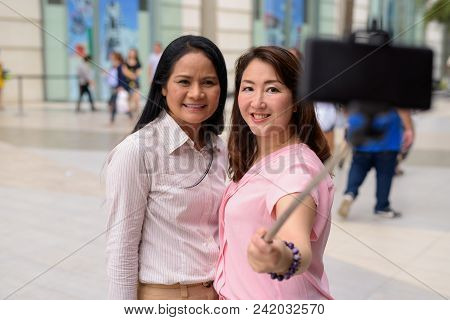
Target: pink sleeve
<point x="294" y="180"/>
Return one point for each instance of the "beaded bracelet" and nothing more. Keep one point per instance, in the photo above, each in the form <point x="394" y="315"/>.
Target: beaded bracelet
<point x="293" y="268"/>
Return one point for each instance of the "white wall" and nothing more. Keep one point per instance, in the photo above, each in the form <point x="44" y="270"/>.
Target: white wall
<point x="234" y="31"/>
<point x="21" y="46"/>
<point x="434" y="34"/>
<point x="191" y="17"/>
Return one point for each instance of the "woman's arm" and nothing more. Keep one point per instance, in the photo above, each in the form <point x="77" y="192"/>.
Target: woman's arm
<point x="277" y="257"/>
<point x="127" y="188"/>
<point x="408" y="128"/>
<point x="138" y="72"/>
<point x="128" y="73"/>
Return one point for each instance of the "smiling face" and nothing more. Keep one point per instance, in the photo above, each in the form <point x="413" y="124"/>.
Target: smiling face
<point x="264" y="101"/>
<point x="192" y="91"/>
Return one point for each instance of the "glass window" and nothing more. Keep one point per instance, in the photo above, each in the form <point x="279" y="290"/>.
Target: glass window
<point x="278" y="22"/>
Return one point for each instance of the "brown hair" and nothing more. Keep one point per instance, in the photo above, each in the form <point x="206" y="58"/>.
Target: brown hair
<point x="242" y="146"/>
<point x="117" y="56"/>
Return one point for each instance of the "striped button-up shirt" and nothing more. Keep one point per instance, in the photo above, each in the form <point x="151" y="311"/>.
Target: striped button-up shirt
<point x="163" y="226"/>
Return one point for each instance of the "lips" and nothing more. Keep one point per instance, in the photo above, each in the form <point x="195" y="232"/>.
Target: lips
<point x="194" y="106"/>
<point x="258" y="117"/>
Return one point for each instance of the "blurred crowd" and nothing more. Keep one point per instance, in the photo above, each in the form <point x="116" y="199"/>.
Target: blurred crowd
<point x="122" y="78"/>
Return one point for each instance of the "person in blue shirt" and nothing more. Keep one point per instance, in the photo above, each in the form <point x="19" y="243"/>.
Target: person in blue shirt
<point x="118" y="80"/>
<point x="380" y="154"/>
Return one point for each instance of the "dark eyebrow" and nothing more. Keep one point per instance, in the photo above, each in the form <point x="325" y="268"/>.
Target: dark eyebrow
<point x="189" y="77"/>
<point x="265" y="82"/>
<point x="210" y="77"/>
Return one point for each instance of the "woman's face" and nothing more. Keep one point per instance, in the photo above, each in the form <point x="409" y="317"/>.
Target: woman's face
<point x="192" y="91"/>
<point x="114" y="60"/>
<point x="264" y="101"/>
<point x="132" y="54"/>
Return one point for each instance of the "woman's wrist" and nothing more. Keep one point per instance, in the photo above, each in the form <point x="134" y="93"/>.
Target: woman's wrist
<point x="289" y="264"/>
<point x="285" y="260"/>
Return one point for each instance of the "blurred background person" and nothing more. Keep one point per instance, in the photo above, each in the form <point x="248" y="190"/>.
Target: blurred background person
<point x="327" y="116"/>
<point x="133" y="66"/>
<point x="122" y="84"/>
<point x="381" y="154"/>
<point x="408" y="137"/>
<point x="340" y="130"/>
<point x="153" y="60"/>
<point x="112" y="80"/>
<point x="85" y="80"/>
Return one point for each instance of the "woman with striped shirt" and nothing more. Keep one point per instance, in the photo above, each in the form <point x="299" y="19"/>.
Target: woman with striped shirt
<point x="164" y="182"/>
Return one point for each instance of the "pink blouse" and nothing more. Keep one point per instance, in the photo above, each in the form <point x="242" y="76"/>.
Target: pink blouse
<point x="249" y="204"/>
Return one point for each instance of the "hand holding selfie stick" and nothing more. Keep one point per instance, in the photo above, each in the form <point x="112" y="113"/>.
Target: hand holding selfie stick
<point x="329" y="166"/>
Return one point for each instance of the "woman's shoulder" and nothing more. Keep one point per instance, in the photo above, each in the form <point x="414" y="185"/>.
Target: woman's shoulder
<point x="292" y="160"/>
<point x="127" y="147"/>
<point x="298" y="153"/>
<point x="141" y="141"/>
<point x="307" y="161"/>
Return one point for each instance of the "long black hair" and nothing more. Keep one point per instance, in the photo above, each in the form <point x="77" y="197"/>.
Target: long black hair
<point x="181" y="46"/>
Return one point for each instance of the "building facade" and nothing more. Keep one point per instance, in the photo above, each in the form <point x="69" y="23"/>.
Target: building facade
<point x="21" y="47"/>
<point x="46" y="37"/>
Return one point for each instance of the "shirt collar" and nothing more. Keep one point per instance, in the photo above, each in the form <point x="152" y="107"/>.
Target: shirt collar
<point x="174" y="137"/>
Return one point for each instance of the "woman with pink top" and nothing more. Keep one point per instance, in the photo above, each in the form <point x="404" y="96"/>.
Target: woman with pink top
<point x="275" y="148"/>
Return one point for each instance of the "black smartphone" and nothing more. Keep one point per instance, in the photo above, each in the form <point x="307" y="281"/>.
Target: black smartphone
<point x="340" y="71"/>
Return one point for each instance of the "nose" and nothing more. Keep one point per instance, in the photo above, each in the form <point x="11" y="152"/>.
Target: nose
<point x="195" y="92"/>
<point x="258" y="101"/>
